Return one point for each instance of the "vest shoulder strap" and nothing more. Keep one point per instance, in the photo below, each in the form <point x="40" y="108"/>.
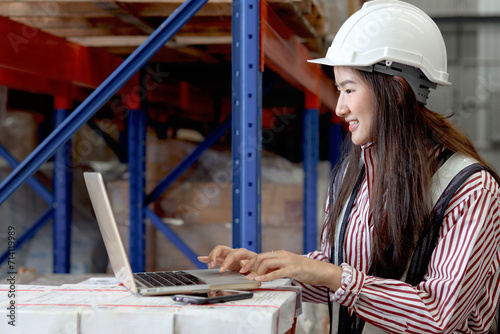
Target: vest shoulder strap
<point x="445" y="182"/>
<point x="445" y="174"/>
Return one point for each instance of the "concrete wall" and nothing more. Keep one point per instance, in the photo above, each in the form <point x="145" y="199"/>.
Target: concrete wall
<point x="473" y="47"/>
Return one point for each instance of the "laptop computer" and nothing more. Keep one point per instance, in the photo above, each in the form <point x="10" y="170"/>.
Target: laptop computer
<point x="153" y="283"/>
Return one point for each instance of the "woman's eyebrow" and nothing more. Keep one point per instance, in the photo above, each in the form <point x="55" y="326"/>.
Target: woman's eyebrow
<point x="343" y="83"/>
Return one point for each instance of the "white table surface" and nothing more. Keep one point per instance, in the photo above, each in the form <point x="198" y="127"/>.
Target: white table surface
<point x="101" y="305"/>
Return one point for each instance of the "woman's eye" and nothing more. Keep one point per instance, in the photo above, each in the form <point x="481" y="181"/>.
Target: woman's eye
<point x="346" y="91"/>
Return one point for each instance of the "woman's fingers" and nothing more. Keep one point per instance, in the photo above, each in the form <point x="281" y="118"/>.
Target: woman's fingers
<point x="207" y="260"/>
<point x="255" y="261"/>
<point x="216" y="256"/>
<point x="234" y="259"/>
<point x="203" y="258"/>
<point x="278" y="264"/>
<point x="273" y="265"/>
<point x="228" y="258"/>
<point x="269" y="266"/>
<point x="271" y="276"/>
<point x="266" y="261"/>
<point x="248" y="265"/>
<point x="263" y="263"/>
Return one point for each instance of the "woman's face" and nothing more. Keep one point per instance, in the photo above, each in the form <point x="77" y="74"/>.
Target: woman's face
<point x="355" y="104"/>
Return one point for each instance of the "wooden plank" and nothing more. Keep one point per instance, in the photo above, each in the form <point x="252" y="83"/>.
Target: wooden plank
<point x="135" y="41"/>
<point x="166" y="9"/>
<point x="41" y="10"/>
<point x="63" y="27"/>
<point x="90" y="9"/>
<point x="72" y="22"/>
<point x="109" y="41"/>
<point x="124" y="15"/>
<point x="112" y="26"/>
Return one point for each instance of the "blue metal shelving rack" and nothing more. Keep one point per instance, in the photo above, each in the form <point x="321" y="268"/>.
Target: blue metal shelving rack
<point x="247" y="125"/>
<point x="246" y="146"/>
<point x="81" y="115"/>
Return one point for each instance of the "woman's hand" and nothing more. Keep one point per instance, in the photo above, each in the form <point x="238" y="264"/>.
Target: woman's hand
<point x="277" y="264"/>
<point x="272" y="265"/>
<point x="228" y="258"/>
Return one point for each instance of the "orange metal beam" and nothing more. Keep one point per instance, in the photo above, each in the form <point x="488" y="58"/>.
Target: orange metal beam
<point x="35" y="61"/>
<point x="285" y="55"/>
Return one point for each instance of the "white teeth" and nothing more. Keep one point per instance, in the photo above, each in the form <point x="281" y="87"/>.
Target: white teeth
<point x="353" y="122"/>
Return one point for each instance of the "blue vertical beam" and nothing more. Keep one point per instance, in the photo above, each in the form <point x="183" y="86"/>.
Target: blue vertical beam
<point x="97" y="99"/>
<point x="246" y="124"/>
<point x="62" y="184"/>
<point x="335" y="143"/>
<point x="310" y="149"/>
<point x="137" y="170"/>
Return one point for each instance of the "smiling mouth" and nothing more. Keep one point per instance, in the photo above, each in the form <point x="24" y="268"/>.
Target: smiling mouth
<point x="353" y="125"/>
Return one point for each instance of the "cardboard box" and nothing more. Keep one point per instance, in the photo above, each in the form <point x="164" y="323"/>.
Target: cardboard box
<point x="210" y="202"/>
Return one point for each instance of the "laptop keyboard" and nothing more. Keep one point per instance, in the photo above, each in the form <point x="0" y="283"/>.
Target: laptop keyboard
<point x="167" y="278"/>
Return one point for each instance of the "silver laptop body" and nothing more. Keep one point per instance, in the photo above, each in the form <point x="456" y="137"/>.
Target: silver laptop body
<point x="149" y="283"/>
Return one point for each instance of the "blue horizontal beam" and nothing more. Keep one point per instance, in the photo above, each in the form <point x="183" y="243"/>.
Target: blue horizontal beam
<point x="189" y="160"/>
<point x="99" y="97"/>
<point x="30" y="233"/>
<point x="36" y="185"/>
<point x="174" y="238"/>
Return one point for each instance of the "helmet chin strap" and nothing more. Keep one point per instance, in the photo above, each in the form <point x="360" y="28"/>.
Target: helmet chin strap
<point x="414" y="76"/>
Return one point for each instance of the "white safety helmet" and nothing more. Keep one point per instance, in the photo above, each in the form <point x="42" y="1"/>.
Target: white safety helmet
<point x="392" y="37"/>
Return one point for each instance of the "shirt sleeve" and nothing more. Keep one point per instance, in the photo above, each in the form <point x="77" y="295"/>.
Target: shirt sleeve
<point x="460" y="290"/>
<point x="317" y="293"/>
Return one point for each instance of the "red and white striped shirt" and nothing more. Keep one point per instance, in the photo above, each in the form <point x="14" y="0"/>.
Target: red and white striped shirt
<point x="459" y="293"/>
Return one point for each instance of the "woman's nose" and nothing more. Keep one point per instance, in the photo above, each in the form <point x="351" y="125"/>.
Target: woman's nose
<point x="341" y="110"/>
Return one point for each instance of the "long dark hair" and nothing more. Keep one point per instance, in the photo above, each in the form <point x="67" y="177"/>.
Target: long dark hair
<point x="403" y="133"/>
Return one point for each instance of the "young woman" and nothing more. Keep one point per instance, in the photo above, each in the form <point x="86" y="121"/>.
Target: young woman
<point x="380" y="260"/>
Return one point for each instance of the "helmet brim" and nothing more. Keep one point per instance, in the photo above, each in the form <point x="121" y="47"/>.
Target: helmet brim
<point x="329" y="62"/>
<point x="322" y="61"/>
